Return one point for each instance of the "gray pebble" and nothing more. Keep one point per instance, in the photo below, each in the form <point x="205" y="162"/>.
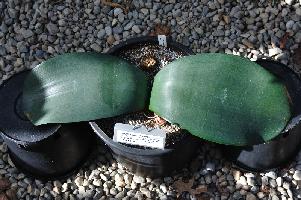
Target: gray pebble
<point x="108" y="30"/>
<point x="117" y="30"/>
<point x="96" y="47"/>
<point x="101" y="34"/>
<point x="27" y="33"/>
<point x="136" y="29"/>
<point x="144" y="11"/>
<point x="129" y="25"/>
<point x="117" y="11"/>
<point x="298" y="11"/>
<point x="289" y="24"/>
<point x="121" y="17"/>
<point x="52" y="28"/>
<point x="168" y="8"/>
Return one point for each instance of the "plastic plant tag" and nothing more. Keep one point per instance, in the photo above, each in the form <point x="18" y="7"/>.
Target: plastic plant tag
<point x="162" y="40"/>
<point x="139" y="135"/>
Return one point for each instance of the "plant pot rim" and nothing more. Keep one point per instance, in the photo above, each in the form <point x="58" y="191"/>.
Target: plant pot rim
<point x="12" y="118"/>
<point x="150" y="39"/>
<point x="294" y="121"/>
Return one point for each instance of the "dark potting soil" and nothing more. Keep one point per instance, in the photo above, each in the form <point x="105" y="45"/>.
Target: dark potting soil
<point x="151" y="59"/>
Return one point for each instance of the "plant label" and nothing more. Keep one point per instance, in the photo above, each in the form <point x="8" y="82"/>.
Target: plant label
<point x="139" y="135"/>
<point x="162" y="40"/>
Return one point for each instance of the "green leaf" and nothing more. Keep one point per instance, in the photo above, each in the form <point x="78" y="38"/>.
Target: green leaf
<point x="83" y="86"/>
<point x="222" y="98"/>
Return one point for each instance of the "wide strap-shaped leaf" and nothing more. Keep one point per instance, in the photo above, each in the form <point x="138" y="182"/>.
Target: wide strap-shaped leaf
<point x="222" y="98"/>
<point x="83" y="86"/>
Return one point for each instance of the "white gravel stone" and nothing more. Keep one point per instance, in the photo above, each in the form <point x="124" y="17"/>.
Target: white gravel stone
<point x="297" y="175"/>
<point x="163" y="188"/>
<point x="128" y="178"/>
<point x="274" y="51"/>
<point x="289" y="2"/>
<point x="146" y="192"/>
<point x="236" y="174"/>
<point x="250" y="196"/>
<point x="251" y="181"/>
<point x="64" y="187"/>
<point x="103" y="177"/>
<point x="79" y="181"/>
<point x="97" y="183"/>
<point x="119" y="181"/>
<point x="138" y="179"/>
<point x="286" y="185"/>
<point x="271" y="175"/>
<point x="242" y="180"/>
<point x="279" y="181"/>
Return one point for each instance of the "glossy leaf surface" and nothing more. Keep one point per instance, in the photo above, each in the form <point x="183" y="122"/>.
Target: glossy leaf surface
<point x="222" y="98"/>
<point x="81" y="87"/>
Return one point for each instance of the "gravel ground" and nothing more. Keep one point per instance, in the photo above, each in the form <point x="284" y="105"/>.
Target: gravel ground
<point x="32" y="31"/>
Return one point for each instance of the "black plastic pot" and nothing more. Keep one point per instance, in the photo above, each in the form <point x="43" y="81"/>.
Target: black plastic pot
<point x="151" y="162"/>
<point x="284" y="147"/>
<point x="44" y="152"/>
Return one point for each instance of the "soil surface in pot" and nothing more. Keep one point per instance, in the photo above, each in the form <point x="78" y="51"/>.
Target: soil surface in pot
<point x="149" y="120"/>
<point x="150" y="58"/>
